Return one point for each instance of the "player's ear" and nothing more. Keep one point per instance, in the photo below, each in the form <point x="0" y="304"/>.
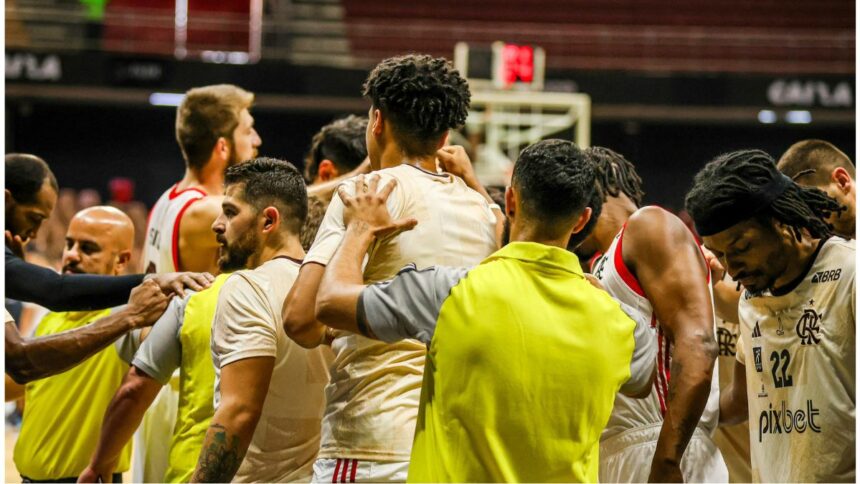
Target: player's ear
<point x="842" y="179"/>
<point x="271" y="219"/>
<point x="510" y="202"/>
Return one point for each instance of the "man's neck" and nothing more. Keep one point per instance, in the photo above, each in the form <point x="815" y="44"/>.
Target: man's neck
<point x="531" y="233"/>
<point x="210" y="179"/>
<point x="616" y="210"/>
<point x="289" y="246"/>
<point x="800" y="254"/>
<point x="393" y="156"/>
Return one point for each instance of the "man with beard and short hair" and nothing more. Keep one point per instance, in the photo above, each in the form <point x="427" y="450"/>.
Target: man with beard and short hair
<point x="795" y="368"/>
<point x="215" y="130"/>
<point x="61" y="423"/>
<point x="268" y="390"/>
<point x="649" y="260"/>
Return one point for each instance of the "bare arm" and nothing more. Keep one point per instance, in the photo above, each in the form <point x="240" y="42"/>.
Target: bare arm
<point x="14" y="391"/>
<point x="29" y="359"/>
<point x="733" y="398"/>
<point x="198" y="248"/>
<point x="244" y="385"/>
<point x="325" y="190"/>
<point x="673" y="276"/>
<point x="300" y="322"/>
<point x="123" y="415"/>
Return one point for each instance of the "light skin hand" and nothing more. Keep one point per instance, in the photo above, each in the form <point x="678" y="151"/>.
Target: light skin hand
<point x="366" y="217"/>
<point x="176" y="282"/>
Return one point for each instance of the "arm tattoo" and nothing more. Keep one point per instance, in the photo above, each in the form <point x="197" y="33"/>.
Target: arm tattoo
<point x="220" y="460"/>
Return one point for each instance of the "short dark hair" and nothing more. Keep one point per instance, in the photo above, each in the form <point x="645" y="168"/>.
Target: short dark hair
<point x="616" y="174"/>
<point x="342" y="141"/>
<point x="424" y="96"/>
<point x="316" y="212"/>
<point x="739" y="175"/>
<point x="268" y="182"/>
<point x="555" y="181"/>
<point x="25" y="175"/>
<point x="815" y="159"/>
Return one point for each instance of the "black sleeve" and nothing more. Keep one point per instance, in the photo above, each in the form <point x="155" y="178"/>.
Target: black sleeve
<point x="59" y="292"/>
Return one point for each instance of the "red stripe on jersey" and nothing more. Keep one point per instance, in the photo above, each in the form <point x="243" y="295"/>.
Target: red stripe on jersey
<point x="622" y="270"/>
<point x="343" y="472"/>
<point x="659" y="383"/>
<point x="336" y="468"/>
<point x="594" y="258"/>
<point x="173" y="193"/>
<point x="354" y="466"/>
<point x="174" y="244"/>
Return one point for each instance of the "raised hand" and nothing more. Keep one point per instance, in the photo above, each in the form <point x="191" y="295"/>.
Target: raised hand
<point x="366" y="210"/>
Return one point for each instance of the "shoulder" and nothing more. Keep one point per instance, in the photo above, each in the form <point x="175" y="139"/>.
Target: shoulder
<point x="655" y="229"/>
<point x="203" y="209"/>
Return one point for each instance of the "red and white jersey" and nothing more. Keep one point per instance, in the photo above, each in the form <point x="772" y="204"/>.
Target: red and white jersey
<point x="632" y="413"/>
<point x="161" y="253"/>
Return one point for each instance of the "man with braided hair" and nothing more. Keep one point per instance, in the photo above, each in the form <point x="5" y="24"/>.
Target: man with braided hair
<point x="794" y="376"/>
<point x="373" y="395"/>
<point x="649" y="260"/>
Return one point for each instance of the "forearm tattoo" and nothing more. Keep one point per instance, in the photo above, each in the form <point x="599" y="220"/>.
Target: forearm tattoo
<point x="221" y="458"/>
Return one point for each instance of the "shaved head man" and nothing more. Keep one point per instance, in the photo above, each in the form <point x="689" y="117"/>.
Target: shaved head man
<point x="819" y="164"/>
<point x="99" y="241"/>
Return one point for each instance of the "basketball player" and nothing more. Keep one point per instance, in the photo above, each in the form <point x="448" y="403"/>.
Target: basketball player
<point x="215" y="130"/>
<point x="268" y="390"/>
<point x="372" y="399"/>
<point x="819" y="164"/>
<point x="338" y="148"/>
<point x="61" y="423"/>
<point x="651" y="261"/>
<point x="795" y="373"/>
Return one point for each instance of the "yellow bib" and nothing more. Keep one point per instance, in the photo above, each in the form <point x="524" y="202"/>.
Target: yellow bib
<point x="64" y="412"/>
<point x="196" y="383"/>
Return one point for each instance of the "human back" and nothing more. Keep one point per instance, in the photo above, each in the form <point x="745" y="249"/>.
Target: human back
<point x="547" y="317"/>
<point x="456" y="228"/>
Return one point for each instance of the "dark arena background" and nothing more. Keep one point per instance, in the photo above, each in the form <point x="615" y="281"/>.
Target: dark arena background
<point x="92" y="86"/>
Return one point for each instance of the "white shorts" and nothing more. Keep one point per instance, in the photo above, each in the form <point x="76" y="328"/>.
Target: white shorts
<point x="626" y="457"/>
<point x="354" y="470"/>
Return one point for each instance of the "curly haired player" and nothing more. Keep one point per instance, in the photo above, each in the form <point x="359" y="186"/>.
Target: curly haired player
<point x="372" y="399"/>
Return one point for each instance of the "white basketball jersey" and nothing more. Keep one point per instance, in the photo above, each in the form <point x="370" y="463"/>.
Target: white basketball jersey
<point x="161" y="252"/>
<point x="632" y="413"/>
<point x="798" y="349"/>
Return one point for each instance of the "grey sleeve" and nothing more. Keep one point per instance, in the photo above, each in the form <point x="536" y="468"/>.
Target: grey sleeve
<point x="644" y="353"/>
<point x="128" y="344"/>
<point x="408" y="305"/>
<point x="161" y="352"/>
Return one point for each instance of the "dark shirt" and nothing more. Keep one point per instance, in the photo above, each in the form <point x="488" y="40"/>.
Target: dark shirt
<point x="65" y="292"/>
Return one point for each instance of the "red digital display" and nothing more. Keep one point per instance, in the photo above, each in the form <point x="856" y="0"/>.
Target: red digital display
<point x="518" y="63"/>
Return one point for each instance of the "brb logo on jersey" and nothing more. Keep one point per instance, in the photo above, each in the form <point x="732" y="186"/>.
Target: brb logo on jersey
<point x="807" y="327"/>
<point x="784" y="421"/>
<point x="826" y="276"/>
